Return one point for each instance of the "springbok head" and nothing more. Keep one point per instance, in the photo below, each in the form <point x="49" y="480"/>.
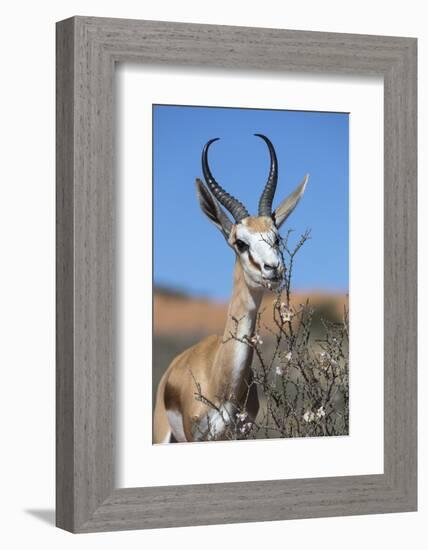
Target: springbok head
<point x="255" y="239"/>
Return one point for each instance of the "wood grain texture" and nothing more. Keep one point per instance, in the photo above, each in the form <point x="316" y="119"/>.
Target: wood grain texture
<point x="87" y="49"/>
<point x="64" y="278"/>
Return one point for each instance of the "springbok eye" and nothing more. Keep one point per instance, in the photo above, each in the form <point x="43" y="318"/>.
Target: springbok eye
<point x="276" y="241"/>
<point x="242" y="247"/>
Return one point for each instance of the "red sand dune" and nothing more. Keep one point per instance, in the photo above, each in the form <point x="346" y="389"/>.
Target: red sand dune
<point x="183" y="314"/>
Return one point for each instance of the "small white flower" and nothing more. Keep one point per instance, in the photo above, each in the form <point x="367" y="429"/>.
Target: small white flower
<point x="245" y="428"/>
<point x="256" y="339"/>
<point x="242" y="416"/>
<point x="320" y="412"/>
<point x="279" y="370"/>
<point x="289" y="356"/>
<point x="285" y="312"/>
<point x="309" y="416"/>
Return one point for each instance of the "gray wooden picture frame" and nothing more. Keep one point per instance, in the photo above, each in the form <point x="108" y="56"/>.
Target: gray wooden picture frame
<point x="87" y="51"/>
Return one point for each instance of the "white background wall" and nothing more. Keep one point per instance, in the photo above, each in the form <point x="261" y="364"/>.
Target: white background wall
<point x="27" y="271"/>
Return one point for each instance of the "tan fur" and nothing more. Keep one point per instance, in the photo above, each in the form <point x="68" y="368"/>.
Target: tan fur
<point x="161" y="427"/>
<point x="258" y="224"/>
<point x="209" y="363"/>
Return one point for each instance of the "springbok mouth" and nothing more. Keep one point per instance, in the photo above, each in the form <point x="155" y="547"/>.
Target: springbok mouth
<point x="273" y="279"/>
<point x="269" y="283"/>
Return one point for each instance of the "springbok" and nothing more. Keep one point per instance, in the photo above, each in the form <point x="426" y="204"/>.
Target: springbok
<point x="221" y="366"/>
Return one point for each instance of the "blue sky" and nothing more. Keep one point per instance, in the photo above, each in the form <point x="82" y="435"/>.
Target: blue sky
<point x="190" y="254"/>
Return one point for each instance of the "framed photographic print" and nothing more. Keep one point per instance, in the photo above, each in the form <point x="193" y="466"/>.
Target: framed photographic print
<point x="236" y="274"/>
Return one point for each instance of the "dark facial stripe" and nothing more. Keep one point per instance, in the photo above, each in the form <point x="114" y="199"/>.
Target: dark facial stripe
<point x="253" y="262"/>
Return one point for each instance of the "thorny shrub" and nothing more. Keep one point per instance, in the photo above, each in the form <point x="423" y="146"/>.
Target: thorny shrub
<point x="302" y="380"/>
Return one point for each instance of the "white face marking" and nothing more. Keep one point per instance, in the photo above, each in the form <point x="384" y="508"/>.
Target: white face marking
<point x="176" y="422"/>
<point x="262" y="261"/>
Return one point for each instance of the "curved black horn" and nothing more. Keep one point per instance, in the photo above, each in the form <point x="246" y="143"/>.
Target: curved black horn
<point x="266" y="199"/>
<point x="237" y="209"/>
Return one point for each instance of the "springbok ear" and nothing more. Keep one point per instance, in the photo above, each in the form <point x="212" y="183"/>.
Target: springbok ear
<point x="289" y="204"/>
<point x="212" y="210"/>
